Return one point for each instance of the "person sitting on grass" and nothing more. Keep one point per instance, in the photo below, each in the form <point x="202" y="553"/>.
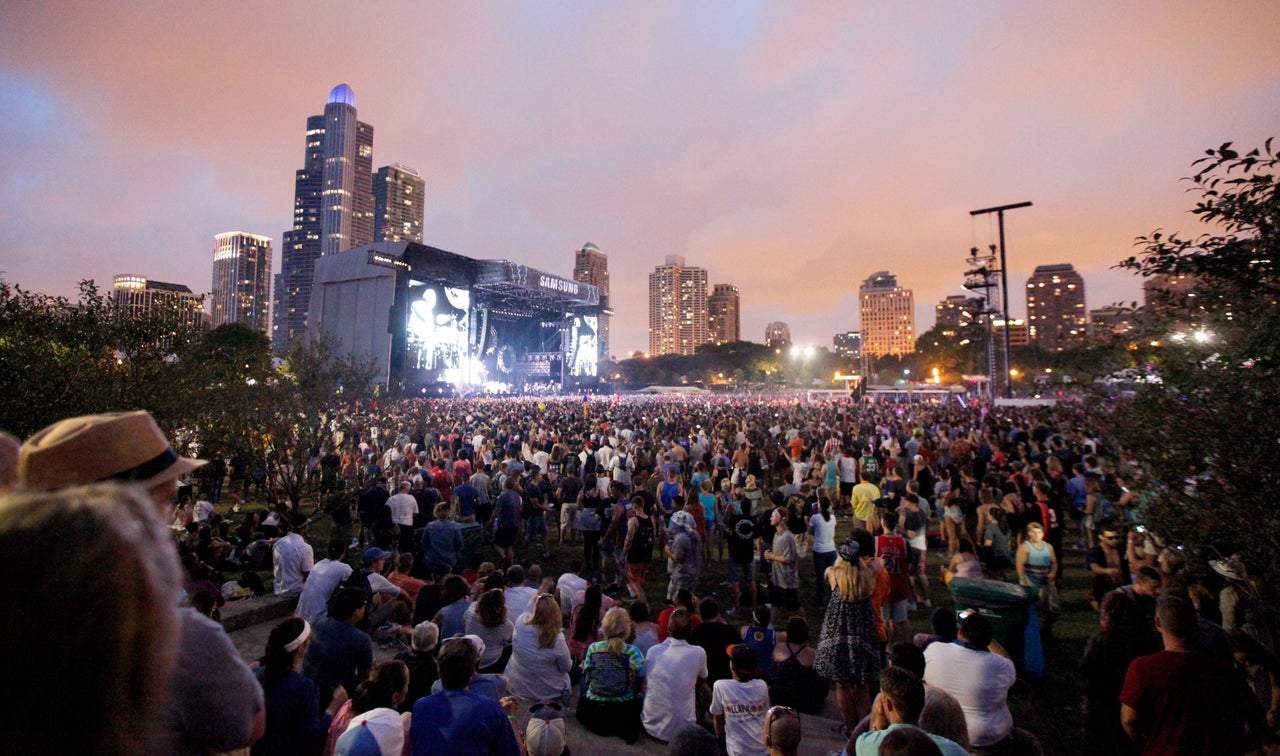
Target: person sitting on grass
<point x="898" y="706"/>
<point x="738" y="705"/>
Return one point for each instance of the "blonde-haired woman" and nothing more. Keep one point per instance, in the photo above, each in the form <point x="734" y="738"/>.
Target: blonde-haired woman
<point x="540" y="663"/>
<point x="92" y="603"/>
<point x="612" y="681"/>
<point x="848" y="648"/>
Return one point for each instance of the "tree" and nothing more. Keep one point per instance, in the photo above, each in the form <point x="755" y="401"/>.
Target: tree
<point x="1206" y="434"/>
<point x="61" y="358"/>
<point x="292" y="423"/>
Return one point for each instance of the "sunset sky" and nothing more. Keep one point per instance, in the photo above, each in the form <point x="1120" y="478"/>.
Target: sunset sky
<point x="791" y="149"/>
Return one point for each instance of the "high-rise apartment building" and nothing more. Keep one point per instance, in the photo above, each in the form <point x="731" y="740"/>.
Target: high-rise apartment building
<point x="956" y="313"/>
<point x="399" y="202"/>
<point x="1018" y="334"/>
<point x="591" y="266"/>
<point x="1056" y="318"/>
<point x="1110" y="320"/>
<point x="777" y="334"/>
<point x="677" y="308"/>
<point x="241" y="280"/>
<point x="137" y="296"/>
<point x="332" y="207"/>
<point x="724" y="308"/>
<point x="886" y="315"/>
<point x="848" y="345"/>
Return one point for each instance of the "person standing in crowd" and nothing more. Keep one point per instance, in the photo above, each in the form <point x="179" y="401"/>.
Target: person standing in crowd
<point x="977" y="672"/>
<point x="1180" y="700"/>
<point x="642" y="534"/>
<point x="1037" y="568"/>
<point x="848" y="647"/>
<point x="684" y="554"/>
<point x="822" y="531"/>
<point x="212" y="701"/>
<point x="403" y="510"/>
<point x="506" y="519"/>
<point x="891" y="549"/>
<point x="740" y="533"/>
<point x="784" y="571"/>
<point x="441" y="543"/>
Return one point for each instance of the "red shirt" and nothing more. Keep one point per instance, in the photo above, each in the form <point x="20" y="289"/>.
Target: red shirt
<point x="1188" y="703"/>
<point x="893" y="550"/>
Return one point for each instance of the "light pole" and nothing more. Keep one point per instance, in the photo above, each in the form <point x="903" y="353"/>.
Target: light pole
<point x="1004" y="279"/>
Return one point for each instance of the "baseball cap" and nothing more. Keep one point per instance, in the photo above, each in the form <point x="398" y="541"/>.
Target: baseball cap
<point x="373" y="554"/>
<point x="377" y="732"/>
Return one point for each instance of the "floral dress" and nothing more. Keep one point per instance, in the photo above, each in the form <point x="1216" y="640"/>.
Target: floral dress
<point x="848" y="650"/>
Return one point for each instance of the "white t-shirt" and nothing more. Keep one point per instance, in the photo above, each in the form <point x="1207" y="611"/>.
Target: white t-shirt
<point x="673" y="669"/>
<point x="979" y="681"/>
<point x="403" y="508"/>
<point x="824" y="534"/>
<point x="325" y="577"/>
<point x="291" y="559"/>
<point x="743" y="706"/>
<point x="519" y="600"/>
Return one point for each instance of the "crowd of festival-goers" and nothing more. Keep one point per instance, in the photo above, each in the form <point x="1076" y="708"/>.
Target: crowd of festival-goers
<point x="720" y="566"/>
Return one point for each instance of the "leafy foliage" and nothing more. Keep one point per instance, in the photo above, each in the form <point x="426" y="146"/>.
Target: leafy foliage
<point x="217" y="392"/>
<point x="1208" y="435"/>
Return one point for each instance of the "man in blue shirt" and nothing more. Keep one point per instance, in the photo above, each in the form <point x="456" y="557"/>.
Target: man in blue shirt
<point x="506" y="519"/>
<point x="458" y="722"/>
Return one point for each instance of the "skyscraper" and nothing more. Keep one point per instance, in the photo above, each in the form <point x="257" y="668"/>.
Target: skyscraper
<point x="590" y="265"/>
<point x="1056" y="318"/>
<point x="241" y="280"/>
<point x="399" y="201"/>
<point x="957" y="312"/>
<point x="138" y="296"/>
<point x="848" y="345"/>
<point x="777" y="334"/>
<point x="886" y="313"/>
<point x="677" y="308"/>
<point x="725" y="312"/>
<point x="332" y="207"/>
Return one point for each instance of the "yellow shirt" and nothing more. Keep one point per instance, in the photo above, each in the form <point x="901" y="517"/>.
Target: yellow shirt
<point x="863" y="495"/>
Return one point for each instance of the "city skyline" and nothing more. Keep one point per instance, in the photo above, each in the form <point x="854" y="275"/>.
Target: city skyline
<point x="790" y="150"/>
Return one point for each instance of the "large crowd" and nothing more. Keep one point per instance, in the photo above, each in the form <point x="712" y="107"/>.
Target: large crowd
<point x="735" y="562"/>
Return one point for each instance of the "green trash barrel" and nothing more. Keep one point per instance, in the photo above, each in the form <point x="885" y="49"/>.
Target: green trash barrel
<point x="1003" y="604"/>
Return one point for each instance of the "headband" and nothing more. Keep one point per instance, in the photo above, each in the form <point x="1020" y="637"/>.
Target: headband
<point x="296" y="643"/>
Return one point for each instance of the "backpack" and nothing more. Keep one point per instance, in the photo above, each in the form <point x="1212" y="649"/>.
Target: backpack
<point x="1104" y="510"/>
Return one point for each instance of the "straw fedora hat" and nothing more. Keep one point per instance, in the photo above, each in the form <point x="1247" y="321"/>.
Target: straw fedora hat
<point x="126" y="447"/>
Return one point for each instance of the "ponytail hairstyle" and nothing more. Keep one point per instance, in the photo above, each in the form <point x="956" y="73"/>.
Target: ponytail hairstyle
<point x="380" y="688"/>
<point x="277" y="662"/>
<point x="824" y="505"/>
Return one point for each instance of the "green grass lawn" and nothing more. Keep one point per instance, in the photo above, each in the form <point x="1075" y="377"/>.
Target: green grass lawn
<point x="1049" y="707"/>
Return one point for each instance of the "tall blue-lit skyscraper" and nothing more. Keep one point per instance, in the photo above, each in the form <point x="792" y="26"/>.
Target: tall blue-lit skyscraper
<point x="332" y="208"/>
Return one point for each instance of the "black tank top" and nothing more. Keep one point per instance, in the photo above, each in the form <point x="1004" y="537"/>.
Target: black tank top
<point x="641" y="550"/>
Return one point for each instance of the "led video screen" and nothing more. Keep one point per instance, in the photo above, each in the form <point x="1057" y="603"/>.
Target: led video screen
<point x="584" y="346"/>
<point x="438" y="325"/>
